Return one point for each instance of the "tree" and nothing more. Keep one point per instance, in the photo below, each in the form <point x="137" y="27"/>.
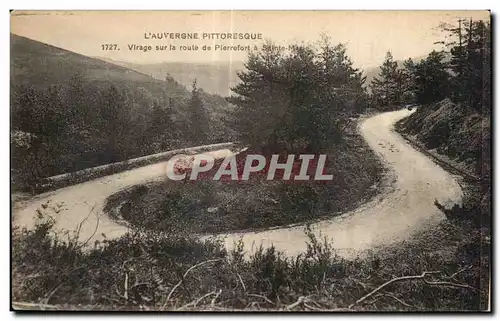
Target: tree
<point x="340" y="90"/>
<point x="431" y="79"/>
<point x="114" y="117"/>
<point x="408" y="74"/>
<point x="296" y="99"/>
<point x="470" y="62"/>
<point x="387" y="89"/>
<point x="261" y="98"/>
<point x="198" y="118"/>
<point x="161" y="129"/>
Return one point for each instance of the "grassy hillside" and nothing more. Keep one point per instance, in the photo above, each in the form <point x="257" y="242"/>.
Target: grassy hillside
<point x="41" y="65"/>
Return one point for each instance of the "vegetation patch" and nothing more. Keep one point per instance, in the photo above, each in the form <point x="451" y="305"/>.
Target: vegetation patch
<point x="454" y="130"/>
<point x="71" y="113"/>
<point x="445" y="268"/>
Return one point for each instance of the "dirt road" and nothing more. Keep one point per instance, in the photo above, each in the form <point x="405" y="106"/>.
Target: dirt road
<point x="416" y="181"/>
<point x="85" y="201"/>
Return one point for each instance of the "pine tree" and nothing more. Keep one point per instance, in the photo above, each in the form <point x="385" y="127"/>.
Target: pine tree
<point x="161" y="128"/>
<point x="340" y="89"/>
<point x="198" y="119"/>
<point x="114" y="115"/>
<point x="473" y="80"/>
<point x="470" y="63"/>
<point x="431" y="79"/>
<point x="387" y="88"/>
<point x="408" y="74"/>
<point x="261" y="98"/>
<point x="297" y="99"/>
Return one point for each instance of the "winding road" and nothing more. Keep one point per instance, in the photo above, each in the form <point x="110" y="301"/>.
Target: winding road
<point x="407" y="206"/>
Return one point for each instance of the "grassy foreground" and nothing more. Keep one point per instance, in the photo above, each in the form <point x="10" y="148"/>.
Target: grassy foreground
<point x="443" y="269"/>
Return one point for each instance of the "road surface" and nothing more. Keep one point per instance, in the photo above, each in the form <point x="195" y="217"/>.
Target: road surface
<point x="415" y="180"/>
<point x="391" y="216"/>
<point x="85" y="201"/>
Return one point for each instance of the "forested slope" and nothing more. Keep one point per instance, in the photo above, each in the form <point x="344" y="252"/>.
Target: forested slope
<point x="71" y="112"/>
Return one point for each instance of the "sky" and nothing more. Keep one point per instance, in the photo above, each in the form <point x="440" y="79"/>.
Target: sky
<point x="368" y="35"/>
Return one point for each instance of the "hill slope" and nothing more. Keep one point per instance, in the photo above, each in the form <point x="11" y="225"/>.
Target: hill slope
<point x="71" y="112"/>
<point x="38" y="64"/>
<point x="456" y="131"/>
<point x="214" y="78"/>
<point x="41" y="65"/>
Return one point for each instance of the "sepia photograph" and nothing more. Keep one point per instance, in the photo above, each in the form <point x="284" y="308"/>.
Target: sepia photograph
<point x="251" y="161"/>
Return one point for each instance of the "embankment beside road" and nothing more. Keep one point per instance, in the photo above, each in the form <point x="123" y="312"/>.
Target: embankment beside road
<point x="454" y="134"/>
<point x="63" y="180"/>
<point x="457" y="138"/>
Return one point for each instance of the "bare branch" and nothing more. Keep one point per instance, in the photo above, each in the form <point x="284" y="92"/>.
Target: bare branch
<point x="445" y="283"/>
<point x="262" y="297"/>
<point x="402" y="278"/>
<point x="83" y="221"/>
<point x="194" y="303"/>
<point x="125" y="285"/>
<point x="49" y="296"/>
<point x="460" y="271"/>
<point x="417" y="277"/>
<point x="91" y="236"/>
<point x="392" y="297"/>
<point x="242" y="283"/>
<point x="311" y="307"/>
<point x="184" y="276"/>
<point x="297" y="303"/>
<point x="215" y="298"/>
